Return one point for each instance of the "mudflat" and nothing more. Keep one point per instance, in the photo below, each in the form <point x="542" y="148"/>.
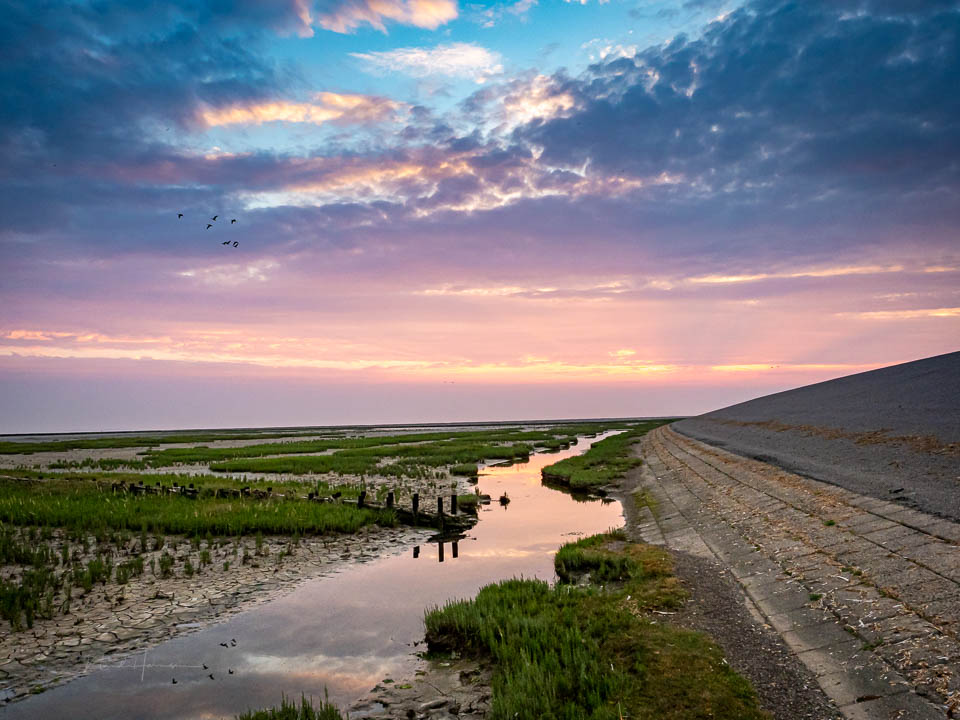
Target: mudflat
<point x="892" y="433"/>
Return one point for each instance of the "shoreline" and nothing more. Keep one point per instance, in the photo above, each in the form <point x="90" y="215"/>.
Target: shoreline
<point x="114" y="621"/>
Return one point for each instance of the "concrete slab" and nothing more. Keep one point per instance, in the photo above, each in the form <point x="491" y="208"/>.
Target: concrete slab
<point x="816" y="636"/>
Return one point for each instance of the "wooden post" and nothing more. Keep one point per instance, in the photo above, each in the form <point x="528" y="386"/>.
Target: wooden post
<point x="416" y="551"/>
<point x="439" y="506"/>
<point x="456" y="548"/>
<point x="453" y="504"/>
<point x="440" y="546"/>
<point x="361" y="498"/>
<point x="390" y="500"/>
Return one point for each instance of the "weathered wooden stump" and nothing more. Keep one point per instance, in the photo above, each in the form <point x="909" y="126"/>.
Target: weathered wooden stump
<point x="390" y="500"/>
<point x="360" y="498"/>
<point x="453" y="504"/>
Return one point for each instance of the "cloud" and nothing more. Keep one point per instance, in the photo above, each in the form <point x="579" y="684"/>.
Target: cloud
<point x="767" y="185"/>
<point x="344" y="16"/>
<point x="949" y="312"/>
<point x="453" y="60"/>
<point x="540" y="98"/>
<point x="779" y="105"/>
<point x="231" y="274"/>
<point x="328" y="107"/>
<point x="488" y="17"/>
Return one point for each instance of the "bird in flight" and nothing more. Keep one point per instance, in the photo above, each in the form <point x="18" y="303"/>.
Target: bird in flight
<point x="225" y="242"/>
<point x="209" y="226"/>
<point x="179" y="216"/>
<point x="235" y="243"/>
<point x="214" y="218"/>
<point x="233" y="222"/>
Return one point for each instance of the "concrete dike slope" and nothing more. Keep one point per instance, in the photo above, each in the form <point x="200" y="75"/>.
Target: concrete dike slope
<point x="892" y="433"/>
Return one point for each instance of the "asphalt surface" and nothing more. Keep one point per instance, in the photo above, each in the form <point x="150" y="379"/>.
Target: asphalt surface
<point x="892" y="433"/>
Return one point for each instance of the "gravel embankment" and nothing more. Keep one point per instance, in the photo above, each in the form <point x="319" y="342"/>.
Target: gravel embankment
<point x="892" y="433"/>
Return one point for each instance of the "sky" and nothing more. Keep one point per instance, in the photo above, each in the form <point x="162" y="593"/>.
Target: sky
<point x="456" y="211"/>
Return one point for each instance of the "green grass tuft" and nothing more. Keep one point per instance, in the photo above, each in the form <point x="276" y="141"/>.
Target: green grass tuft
<point x="291" y="711"/>
<point x="584" y="652"/>
<point x="604" y="463"/>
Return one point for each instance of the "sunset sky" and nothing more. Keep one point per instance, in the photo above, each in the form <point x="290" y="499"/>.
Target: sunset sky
<point x="467" y="211"/>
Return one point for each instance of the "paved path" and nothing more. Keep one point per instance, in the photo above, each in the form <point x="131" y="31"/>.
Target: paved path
<point x="865" y="591"/>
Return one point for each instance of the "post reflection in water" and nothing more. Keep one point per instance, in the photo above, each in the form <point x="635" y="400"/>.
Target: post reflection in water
<point x="454" y="546"/>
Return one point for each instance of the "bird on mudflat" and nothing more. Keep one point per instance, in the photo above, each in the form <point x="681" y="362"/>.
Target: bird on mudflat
<point x="210" y="676"/>
<point x="205" y="666"/>
<point x="233" y="641"/>
<point x="504" y="499"/>
<point x="223" y="645"/>
<point x="230" y="670"/>
<point x="209" y="226"/>
<point x="174" y="681"/>
<point x="214" y="218"/>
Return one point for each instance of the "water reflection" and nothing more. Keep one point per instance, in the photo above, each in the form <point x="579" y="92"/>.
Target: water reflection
<point x="345" y="632"/>
<point x="454" y="549"/>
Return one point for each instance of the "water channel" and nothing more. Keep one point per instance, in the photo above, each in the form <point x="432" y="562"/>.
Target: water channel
<point x="343" y="633"/>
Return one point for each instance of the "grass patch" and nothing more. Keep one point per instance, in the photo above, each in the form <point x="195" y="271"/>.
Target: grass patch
<point x="465" y="470"/>
<point x="468" y="503"/>
<point x="604" y="463"/>
<point x="79" y="504"/>
<point x="414" y="461"/>
<point x="570" y="652"/>
<point x="643" y="499"/>
<point x="564" y="435"/>
<point x="289" y="710"/>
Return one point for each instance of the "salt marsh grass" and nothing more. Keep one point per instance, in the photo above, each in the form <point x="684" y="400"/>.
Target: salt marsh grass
<point x="87" y="505"/>
<point x="374" y="445"/>
<point x="572" y="652"/>
<point x="605" y="462"/>
<point x="289" y="710"/>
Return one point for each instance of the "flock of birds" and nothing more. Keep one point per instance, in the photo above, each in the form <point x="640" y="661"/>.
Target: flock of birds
<point x="233" y="221"/>
<point x="233" y="643"/>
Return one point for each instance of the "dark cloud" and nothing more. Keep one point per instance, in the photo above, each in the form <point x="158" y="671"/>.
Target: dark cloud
<point x="781" y="103"/>
<point x="78" y="77"/>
